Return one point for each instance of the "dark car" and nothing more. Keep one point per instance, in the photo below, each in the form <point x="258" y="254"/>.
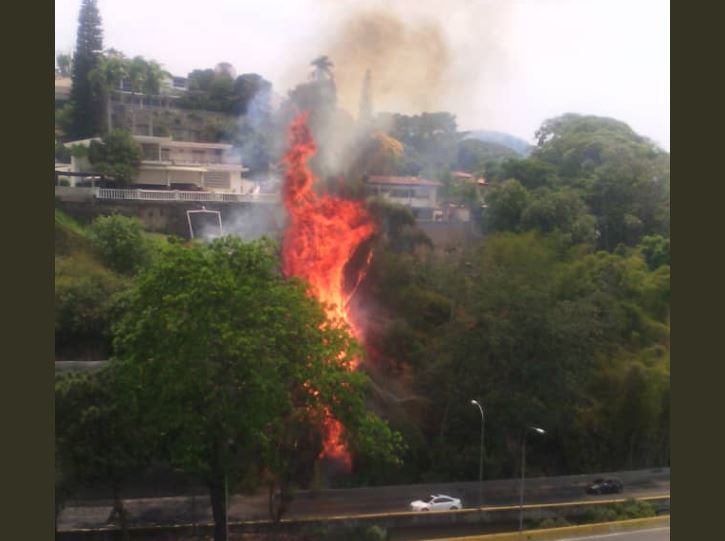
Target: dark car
<point x="605" y="486"/>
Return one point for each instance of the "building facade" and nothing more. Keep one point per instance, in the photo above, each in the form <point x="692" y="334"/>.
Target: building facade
<point x="183" y="165"/>
<point x="418" y="194"/>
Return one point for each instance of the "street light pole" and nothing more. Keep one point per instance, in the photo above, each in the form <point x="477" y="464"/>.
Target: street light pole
<point x="523" y="470"/>
<point x="480" y="464"/>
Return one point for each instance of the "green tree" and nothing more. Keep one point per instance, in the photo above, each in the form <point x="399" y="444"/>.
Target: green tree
<point x="430" y="139"/>
<point x="97" y="439"/>
<point x="560" y="210"/>
<point x="87" y="108"/>
<point x="225" y="357"/>
<point x="624" y="177"/>
<point x="85" y="295"/>
<point x="201" y="79"/>
<point x="252" y="95"/>
<point x="656" y="251"/>
<point x="117" y="155"/>
<point x="120" y="242"/>
<point x="532" y="172"/>
<point x="505" y="205"/>
<point x="105" y="77"/>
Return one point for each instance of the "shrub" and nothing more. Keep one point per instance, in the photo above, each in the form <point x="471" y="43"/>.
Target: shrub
<point x="120" y="242"/>
<point x="553" y="522"/>
<point x="620" y="511"/>
<point x="636" y="509"/>
<point x="373" y="533"/>
<point x="85" y="294"/>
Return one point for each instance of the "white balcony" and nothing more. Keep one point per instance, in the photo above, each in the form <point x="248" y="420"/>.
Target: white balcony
<point x="177" y="195"/>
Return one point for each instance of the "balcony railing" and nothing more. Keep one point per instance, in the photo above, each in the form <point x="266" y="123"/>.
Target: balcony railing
<point x="177" y="195"/>
<point x="202" y="161"/>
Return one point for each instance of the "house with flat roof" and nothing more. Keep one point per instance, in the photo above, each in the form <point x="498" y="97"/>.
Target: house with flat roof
<point x="419" y="194"/>
<point x="183" y="165"/>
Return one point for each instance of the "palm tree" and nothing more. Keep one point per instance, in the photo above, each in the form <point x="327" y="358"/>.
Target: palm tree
<point x="152" y="76"/>
<point x="323" y="68"/>
<point x="135" y="75"/>
<point x="106" y="76"/>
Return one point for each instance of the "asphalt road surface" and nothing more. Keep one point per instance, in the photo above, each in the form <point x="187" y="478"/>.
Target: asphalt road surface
<point x="361" y="501"/>
<point x="650" y="534"/>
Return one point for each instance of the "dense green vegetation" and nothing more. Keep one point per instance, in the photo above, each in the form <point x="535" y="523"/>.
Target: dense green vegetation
<point x="94" y="265"/>
<point x="585" y="167"/>
<point x="560" y="317"/>
<point x="231" y="367"/>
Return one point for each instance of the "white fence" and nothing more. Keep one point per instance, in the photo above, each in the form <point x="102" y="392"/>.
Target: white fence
<point x="177" y="195"/>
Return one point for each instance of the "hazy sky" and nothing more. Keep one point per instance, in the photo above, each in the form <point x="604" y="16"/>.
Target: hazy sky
<point x="504" y="65"/>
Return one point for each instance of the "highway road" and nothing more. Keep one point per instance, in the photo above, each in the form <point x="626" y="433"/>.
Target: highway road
<point x="386" y="499"/>
<point x="649" y="534"/>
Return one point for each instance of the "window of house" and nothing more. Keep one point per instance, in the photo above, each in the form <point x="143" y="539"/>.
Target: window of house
<point x="198" y="156"/>
<point x="150" y="152"/>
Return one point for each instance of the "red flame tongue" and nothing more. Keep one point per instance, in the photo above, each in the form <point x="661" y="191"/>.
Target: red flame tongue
<point x="322" y="235"/>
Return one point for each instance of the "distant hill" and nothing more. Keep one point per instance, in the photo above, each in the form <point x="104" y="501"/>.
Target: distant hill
<point x="509" y="141"/>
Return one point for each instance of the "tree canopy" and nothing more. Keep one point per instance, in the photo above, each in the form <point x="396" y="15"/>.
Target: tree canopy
<point x="87" y="107"/>
<point x="117" y="155"/>
<point x="225" y="357"/>
<point x="623" y="179"/>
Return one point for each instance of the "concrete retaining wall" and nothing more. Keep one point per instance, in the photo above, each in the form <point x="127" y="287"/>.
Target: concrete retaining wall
<point x="169" y="217"/>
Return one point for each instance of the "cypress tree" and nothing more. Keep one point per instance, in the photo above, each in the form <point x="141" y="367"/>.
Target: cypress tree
<point x="87" y="107"/>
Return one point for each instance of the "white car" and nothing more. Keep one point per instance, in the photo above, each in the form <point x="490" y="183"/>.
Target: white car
<point x="439" y="502"/>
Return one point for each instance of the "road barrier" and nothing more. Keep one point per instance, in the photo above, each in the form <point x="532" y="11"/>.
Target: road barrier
<point x="486" y="516"/>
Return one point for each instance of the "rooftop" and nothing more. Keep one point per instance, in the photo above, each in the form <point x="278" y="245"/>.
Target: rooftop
<point x="403" y="181"/>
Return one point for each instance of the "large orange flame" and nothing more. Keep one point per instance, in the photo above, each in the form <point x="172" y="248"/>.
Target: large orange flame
<point x="323" y="233"/>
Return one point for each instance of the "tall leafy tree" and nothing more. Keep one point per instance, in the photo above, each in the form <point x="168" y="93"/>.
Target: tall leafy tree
<point x="105" y="77"/>
<point x="506" y="204"/>
<point x="624" y="177"/>
<point x="117" y="155"/>
<point x="87" y="105"/>
<point x="231" y="364"/>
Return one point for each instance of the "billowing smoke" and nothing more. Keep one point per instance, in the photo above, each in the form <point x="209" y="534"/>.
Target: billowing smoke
<point x="253" y="222"/>
<point x="420" y="54"/>
<point x="409" y="61"/>
<point x="420" y="60"/>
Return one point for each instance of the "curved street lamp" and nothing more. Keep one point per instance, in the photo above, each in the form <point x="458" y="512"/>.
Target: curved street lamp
<point x="480" y="464"/>
<point x="523" y="469"/>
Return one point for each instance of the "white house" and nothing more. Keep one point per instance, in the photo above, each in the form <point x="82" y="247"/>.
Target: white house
<point x="419" y="194"/>
<point x="169" y="164"/>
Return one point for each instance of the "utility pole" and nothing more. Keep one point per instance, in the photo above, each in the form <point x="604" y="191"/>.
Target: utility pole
<point x="480" y="463"/>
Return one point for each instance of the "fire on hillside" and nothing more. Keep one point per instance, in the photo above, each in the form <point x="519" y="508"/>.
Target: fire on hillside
<point x="323" y="234"/>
